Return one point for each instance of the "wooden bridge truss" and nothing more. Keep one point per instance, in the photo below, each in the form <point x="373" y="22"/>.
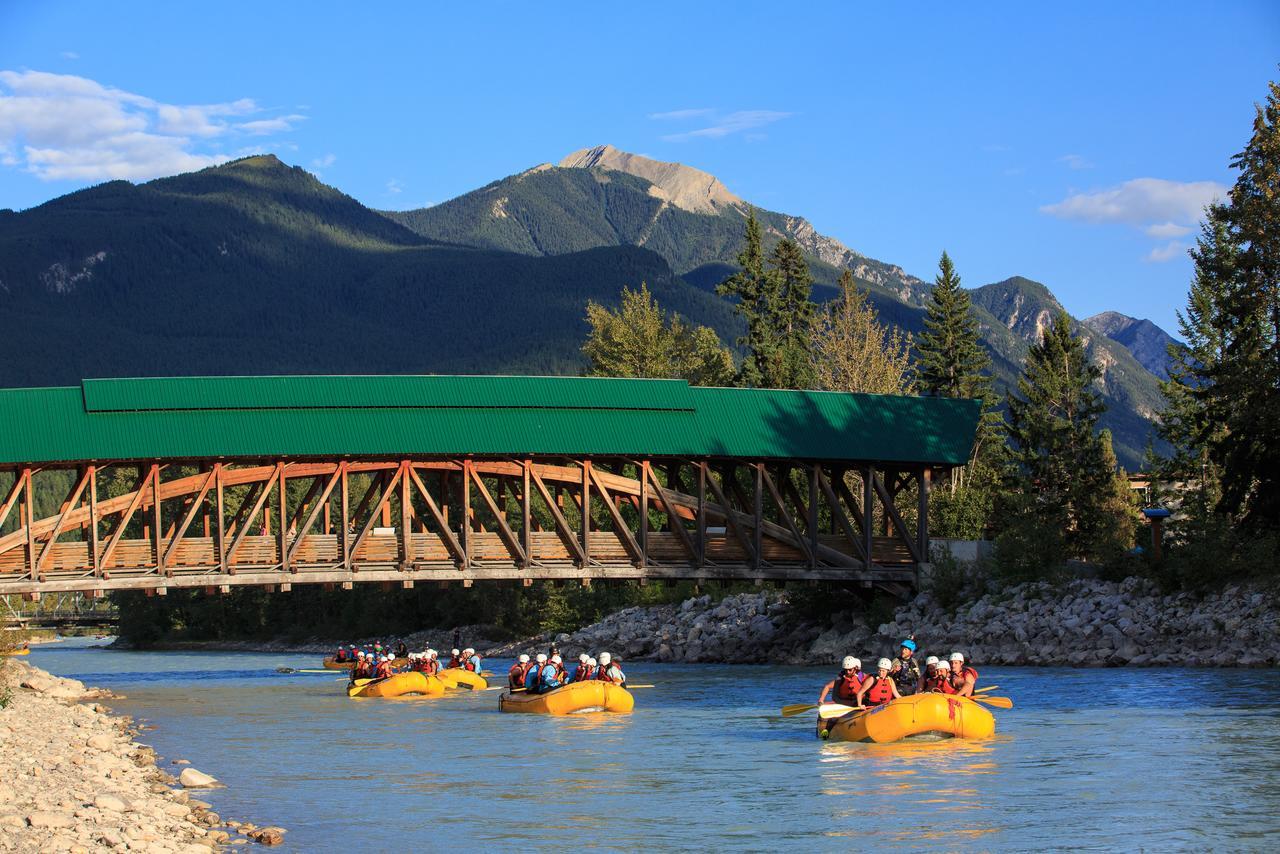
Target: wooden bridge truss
<point x="275" y="523"/>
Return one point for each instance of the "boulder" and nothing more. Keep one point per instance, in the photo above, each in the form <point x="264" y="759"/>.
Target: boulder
<point x="193" y="779"/>
<point x="50" y="819"/>
<point x="101" y="742"/>
<point x="112" y="802"/>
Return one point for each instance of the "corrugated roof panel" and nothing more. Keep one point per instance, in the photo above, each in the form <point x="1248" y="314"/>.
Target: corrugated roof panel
<point x="449" y="416"/>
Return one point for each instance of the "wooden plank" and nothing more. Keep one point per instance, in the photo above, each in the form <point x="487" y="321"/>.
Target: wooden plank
<point x="189" y="517"/>
<point x="93" y="521"/>
<point x="442" y="522"/>
<point x="468" y="518"/>
<point x="15" y="492"/>
<point x="868" y="517"/>
<point x="586" y="512"/>
<point x="507" y="535"/>
<point x="565" y="532"/>
<point x="732" y="519"/>
<point x="406" y="518"/>
<point x="384" y="501"/>
<point x="344" y="523"/>
<point x="72" y="500"/>
<point x="619" y="523"/>
<point x="329" y="485"/>
<point x="125" y="518"/>
<point x="526" y="513"/>
<point x="282" y="535"/>
<point x="786" y="517"/>
<point x="701" y="526"/>
<point x="644" y="510"/>
<point x="243" y="531"/>
<point x="757" y="506"/>
<point x="673" y="517"/>
<point x="892" y="513"/>
<point x="238" y="521"/>
<point x="220" y="504"/>
<point x="155" y="512"/>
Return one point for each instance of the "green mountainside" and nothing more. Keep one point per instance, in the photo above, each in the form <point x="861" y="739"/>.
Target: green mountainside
<point x="256" y="267"/>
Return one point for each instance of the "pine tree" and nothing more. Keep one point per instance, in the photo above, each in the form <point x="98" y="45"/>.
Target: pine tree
<point x="755" y="289"/>
<point x="852" y="351"/>
<point x="792" y="317"/>
<point x="1063" y="472"/>
<point x="637" y="340"/>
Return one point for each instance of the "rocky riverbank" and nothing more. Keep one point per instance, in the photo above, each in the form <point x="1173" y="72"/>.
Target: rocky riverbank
<point x="1085" y="623"/>
<point x="73" y="778"/>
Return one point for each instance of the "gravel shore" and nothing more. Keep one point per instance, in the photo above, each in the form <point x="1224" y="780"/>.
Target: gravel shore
<point x="73" y="779"/>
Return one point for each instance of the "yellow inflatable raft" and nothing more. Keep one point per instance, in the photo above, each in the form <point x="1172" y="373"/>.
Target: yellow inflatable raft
<point x="589" y="696"/>
<point x="458" y="677"/>
<point x="23" y="651"/>
<point x="397" y="685"/>
<point x="917" y="714"/>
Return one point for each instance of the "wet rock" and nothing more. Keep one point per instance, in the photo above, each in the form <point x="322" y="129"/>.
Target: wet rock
<point x="193" y="779"/>
<point x="268" y="835"/>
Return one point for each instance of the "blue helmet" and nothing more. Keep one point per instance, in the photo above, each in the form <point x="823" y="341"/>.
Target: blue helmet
<point x="909" y="644"/>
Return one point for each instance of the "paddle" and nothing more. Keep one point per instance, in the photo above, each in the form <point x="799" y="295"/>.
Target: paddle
<point x="998" y="702"/>
<point x="296" y="670"/>
<point x="985" y="688"/>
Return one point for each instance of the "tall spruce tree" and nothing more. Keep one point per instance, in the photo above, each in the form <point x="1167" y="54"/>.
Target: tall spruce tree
<point x="1063" y="475"/>
<point x="776" y="305"/>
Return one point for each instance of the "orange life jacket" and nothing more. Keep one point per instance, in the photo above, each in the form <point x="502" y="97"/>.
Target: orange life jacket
<point x="454" y="661"/>
<point x="515" y="676"/>
<point x="880" y="692"/>
<point x="847" y="683"/>
<point x="939" y="684"/>
<point x="958" y="679"/>
<point x="383" y="670"/>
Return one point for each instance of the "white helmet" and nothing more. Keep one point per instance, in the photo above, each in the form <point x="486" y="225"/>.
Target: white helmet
<point x="591" y="662"/>
<point x="431" y="653"/>
<point x="884" y="664"/>
<point x="605" y="658"/>
<point x="556" y="659"/>
<point x="955" y="656"/>
<point x="455" y="652"/>
<point x="468" y="651"/>
<point x="360" y="654"/>
<point x="931" y="661"/>
<point x="850" y="663"/>
<point x="382" y="658"/>
<point x="583" y="658"/>
<point x="524" y="659"/>
<point x="391" y="656"/>
<point x="542" y="658"/>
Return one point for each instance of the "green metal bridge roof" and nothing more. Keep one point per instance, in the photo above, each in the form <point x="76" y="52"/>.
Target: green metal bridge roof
<point x="379" y="416"/>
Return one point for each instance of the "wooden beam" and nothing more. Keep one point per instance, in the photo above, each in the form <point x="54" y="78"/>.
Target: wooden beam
<point x="672" y="516"/>
<point x="505" y="533"/>
<point x="248" y="519"/>
<point x="868" y="517"/>
<point x="282" y="536"/>
<point x="189" y="517"/>
<point x="787" y="519"/>
<point x="892" y="513"/>
<point x="329" y="485"/>
<point x="155" y="512"/>
<point x="468" y="517"/>
<point x="586" y="512"/>
<point x="620" y="524"/>
<point x="344" y="523"/>
<point x="644" y="509"/>
<point x="220" y="504"/>
<point x="838" y="516"/>
<point x="813" y="509"/>
<point x="238" y="521"/>
<point x="442" y="521"/>
<point x="562" y="526"/>
<point x="94" y="544"/>
<point x="757" y="512"/>
<point x="72" y="500"/>
<point x="125" y="518"/>
<point x="526" y="513"/>
<point x="701" y="526"/>
<point x="384" y="501"/>
<point x="15" y="492"/>
<point x="406" y="518"/>
<point x="731" y="519"/>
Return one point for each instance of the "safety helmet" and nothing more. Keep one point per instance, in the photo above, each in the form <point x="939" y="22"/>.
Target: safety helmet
<point x="455" y="652"/>
<point x="391" y="656"/>
<point x="955" y="656"/>
<point x="884" y="664"/>
<point x="353" y="646"/>
<point x="849" y="662"/>
<point x="556" y="659"/>
<point x="931" y="661"/>
<point x="591" y="662"/>
<point x="524" y="659"/>
<point x="605" y="658"/>
<point x="583" y="658"/>
<point x="909" y="644"/>
<point x="542" y="658"/>
<point x="468" y="651"/>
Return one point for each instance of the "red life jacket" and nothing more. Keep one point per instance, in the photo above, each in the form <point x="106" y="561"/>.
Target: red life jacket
<point x="847" y="683"/>
<point x="515" y="676"/>
<point x="602" y="672"/>
<point x="454" y="661"/>
<point x="958" y="679"/>
<point x="880" y="692"/>
<point x="581" y="673"/>
<point x="383" y="670"/>
<point x="939" y="684"/>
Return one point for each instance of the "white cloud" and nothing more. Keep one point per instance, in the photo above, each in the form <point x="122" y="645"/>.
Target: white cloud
<point x="326" y="161"/>
<point x="675" y="115"/>
<point x="394" y="187"/>
<point x="263" y="127"/>
<point x="66" y="127"/>
<point x="1140" y="201"/>
<point x="1167" y="230"/>
<point x="1161" y="254"/>
<point x="727" y="124"/>
<point x="1075" y="161"/>
<point x="69" y="54"/>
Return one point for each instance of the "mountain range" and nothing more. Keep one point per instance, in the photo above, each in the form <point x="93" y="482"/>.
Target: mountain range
<point x="257" y="267"/>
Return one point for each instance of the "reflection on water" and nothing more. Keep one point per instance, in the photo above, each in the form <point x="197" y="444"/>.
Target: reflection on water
<point x="1097" y="759"/>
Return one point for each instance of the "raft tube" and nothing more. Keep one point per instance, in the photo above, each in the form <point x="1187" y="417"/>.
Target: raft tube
<point x="397" y="685"/>
<point x="23" y="651"/>
<point x="590" y="696"/>
<point x="918" y="714"/>
<point x="330" y="664"/>
<point x="459" y="677"/>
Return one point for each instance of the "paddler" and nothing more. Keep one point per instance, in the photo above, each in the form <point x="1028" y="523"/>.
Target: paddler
<point x="846" y="683"/>
<point x="541" y="670"/>
<point x="558" y="663"/>
<point x="455" y="658"/>
<point x="609" y="671"/>
<point x="402" y="649"/>
<point x="383" y="668"/>
<point x="582" y="672"/>
<point x="432" y="666"/>
<point x="515" y="676"/>
<point x="963" y="679"/>
<point x="906" y="668"/>
<point x="593" y="668"/>
<point x="471" y="660"/>
<point x="879" y="689"/>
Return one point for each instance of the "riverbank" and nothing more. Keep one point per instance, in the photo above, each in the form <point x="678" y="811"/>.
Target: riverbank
<point x="73" y="778"/>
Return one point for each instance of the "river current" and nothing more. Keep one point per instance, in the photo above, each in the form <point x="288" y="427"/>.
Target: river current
<point x="1160" y="759"/>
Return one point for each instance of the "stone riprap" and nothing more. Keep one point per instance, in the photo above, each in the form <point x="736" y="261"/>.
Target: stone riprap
<point x="72" y="777"/>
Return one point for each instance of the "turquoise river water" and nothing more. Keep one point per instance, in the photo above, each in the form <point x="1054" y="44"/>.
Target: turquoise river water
<point x="1098" y="759"/>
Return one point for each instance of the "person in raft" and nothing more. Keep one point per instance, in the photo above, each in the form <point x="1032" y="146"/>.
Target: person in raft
<point x="402" y="649"/>
<point x="432" y="666"/>
<point x="471" y="660"/>
<point x="583" y="671"/>
<point x="906" y="668"/>
<point x="455" y="658"/>
<point x="609" y="671"/>
<point x="963" y="678"/>
<point x="543" y="677"/>
<point x="846" y="683"/>
<point x="558" y="663"/>
<point x="878" y="689"/>
<point x="515" y="676"/>
<point x="362" y="670"/>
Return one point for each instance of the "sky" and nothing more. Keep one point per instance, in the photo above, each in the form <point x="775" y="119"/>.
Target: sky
<point x="1075" y="144"/>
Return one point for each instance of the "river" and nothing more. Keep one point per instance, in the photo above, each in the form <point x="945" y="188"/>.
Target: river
<point x="1109" y="759"/>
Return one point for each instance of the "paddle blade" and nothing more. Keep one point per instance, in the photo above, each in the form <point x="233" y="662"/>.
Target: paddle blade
<point x="797" y="709"/>
<point x="997" y="702"/>
<point x="630" y="686"/>
<point x="834" y="710"/>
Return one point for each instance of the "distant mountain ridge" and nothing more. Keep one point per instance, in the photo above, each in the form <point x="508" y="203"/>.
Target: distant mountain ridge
<point x="1148" y="343"/>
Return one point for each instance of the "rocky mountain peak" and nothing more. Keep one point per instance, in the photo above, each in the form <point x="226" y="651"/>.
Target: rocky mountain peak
<point x="683" y="186"/>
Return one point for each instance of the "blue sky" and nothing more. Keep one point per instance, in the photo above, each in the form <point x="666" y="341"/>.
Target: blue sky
<point x="1073" y="145"/>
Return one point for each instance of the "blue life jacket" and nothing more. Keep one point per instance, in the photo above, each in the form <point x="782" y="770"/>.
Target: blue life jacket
<point x="547" y="680"/>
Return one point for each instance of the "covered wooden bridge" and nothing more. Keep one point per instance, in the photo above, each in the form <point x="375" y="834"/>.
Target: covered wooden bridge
<point x="213" y="482"/>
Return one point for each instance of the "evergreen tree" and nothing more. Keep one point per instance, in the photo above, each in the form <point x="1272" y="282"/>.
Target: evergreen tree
<point x="852" y="351"/>
<point x="637" y="340"/>
<point x="793" y="317"/>
<point x="755" y="289"/>
<point x="1064" y="474"/>
<point x="951" y="361"/>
